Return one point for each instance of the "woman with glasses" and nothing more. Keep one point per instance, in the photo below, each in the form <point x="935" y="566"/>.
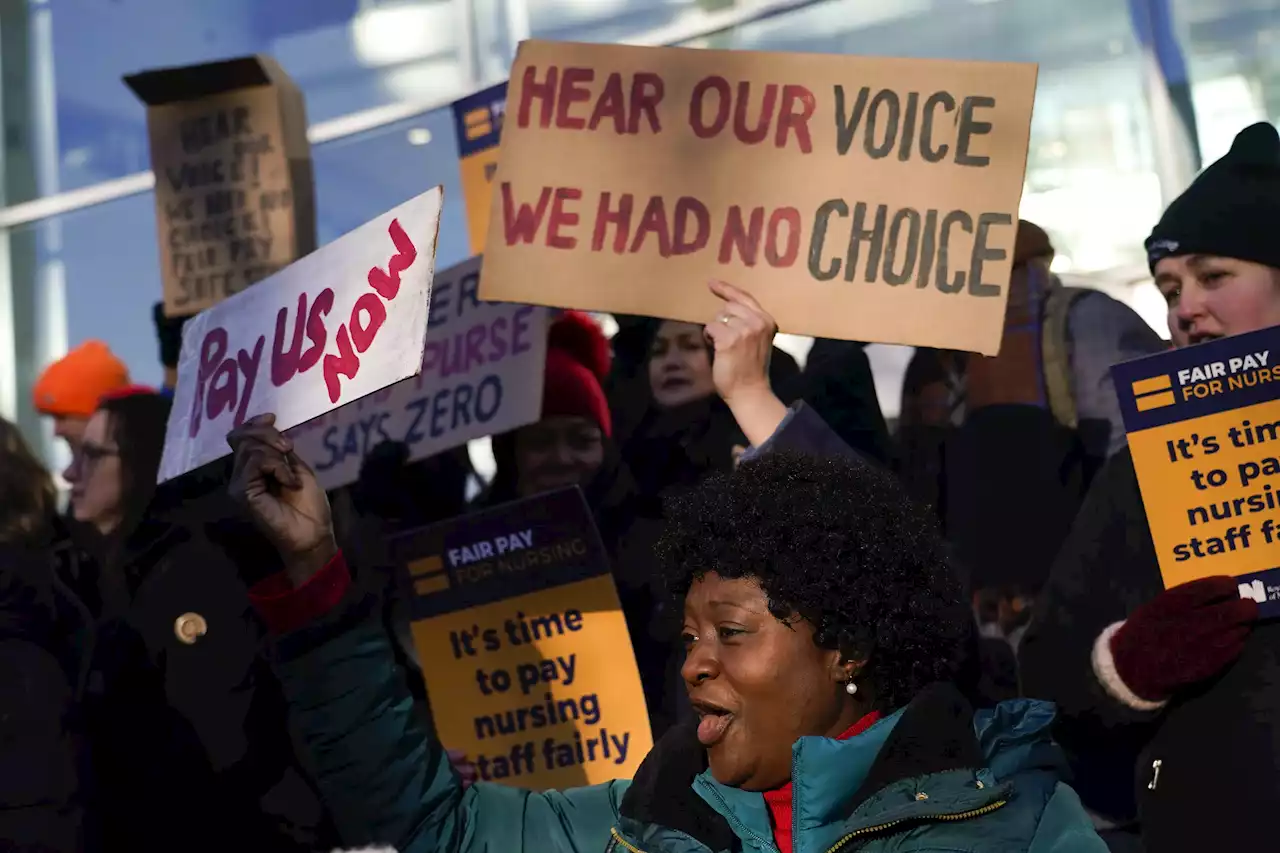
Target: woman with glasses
<point x="113" y="471"/>
<point x="186" y="722"/>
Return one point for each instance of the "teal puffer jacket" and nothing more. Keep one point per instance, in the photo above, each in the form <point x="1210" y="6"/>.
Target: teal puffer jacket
<point x="932" y="777"/>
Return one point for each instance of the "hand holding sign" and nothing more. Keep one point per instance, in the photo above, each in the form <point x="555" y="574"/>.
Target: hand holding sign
<point x="282" y="496"/>
<point x="465" y="768"/>
<point x="742" y="334"/>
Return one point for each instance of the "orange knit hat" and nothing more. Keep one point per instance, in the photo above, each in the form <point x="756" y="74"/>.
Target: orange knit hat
<point x="74" y="384"/>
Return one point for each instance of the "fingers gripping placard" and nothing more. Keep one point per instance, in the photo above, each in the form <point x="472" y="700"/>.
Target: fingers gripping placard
<point x="524" y="645"/>
<point x="859" y="198"/>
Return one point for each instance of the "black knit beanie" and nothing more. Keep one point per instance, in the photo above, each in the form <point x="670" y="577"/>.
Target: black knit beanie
<point x="1232" y="210"/>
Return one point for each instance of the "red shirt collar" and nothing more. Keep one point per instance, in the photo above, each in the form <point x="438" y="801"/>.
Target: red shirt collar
<point x="779" y="800"/>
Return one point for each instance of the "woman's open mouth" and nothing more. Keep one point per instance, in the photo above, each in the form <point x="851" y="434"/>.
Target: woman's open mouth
<point x="712" y="723"/>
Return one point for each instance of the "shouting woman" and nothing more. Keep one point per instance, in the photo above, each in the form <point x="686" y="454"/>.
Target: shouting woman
<point x="822" y="622"/>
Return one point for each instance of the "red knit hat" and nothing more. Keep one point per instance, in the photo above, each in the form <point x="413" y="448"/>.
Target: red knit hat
<point x="127" y="391"/>
<point x="577" y="363"/>
<point x="74" y="384"/>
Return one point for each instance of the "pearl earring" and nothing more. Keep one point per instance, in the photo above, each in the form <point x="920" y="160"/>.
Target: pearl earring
<point x="850" y="687"/>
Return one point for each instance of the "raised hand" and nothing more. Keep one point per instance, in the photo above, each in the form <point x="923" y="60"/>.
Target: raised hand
<point x="742" y="334"/>
<point x="282" y="496"/>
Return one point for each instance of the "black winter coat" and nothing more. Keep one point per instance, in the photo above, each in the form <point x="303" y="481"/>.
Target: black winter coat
<point x="45" y="773"/>
<point x="1218" y="744"/>
<point x="189" y="736"/>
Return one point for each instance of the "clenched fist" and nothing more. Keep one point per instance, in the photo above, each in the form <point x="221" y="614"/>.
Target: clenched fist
<point x="282" y="496"/>
<point x="742" y="336"/>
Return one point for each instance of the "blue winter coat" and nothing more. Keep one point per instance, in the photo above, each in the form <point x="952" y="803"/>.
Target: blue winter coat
<point x="933" y="776"/>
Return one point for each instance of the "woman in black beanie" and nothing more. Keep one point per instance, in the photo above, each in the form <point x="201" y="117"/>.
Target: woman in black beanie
<point x="1170" y="699"/>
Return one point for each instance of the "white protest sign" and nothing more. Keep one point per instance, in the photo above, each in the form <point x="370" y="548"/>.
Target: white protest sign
<point x="482" y="372"/>
<point x="340" y="323"/>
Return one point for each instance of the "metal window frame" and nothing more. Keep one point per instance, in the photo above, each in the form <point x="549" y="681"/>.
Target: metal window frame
<point x="353" y="124"/>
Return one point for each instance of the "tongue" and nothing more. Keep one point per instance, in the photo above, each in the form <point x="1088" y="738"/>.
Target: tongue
<point x="711" y="728"/>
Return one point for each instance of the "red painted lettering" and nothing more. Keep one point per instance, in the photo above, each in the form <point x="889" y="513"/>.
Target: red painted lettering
<point x="388" y="283"/>
<point x="224" y="390"/>
<point x="212" y="350"/>
<point x="561" y="218"/>
<point x="757" y="134"/>
<point x="610" y="105"/>
<point x="363" y="332"/>
<point x="345" y="363"/>
<point x="316" y="331"/>
<point x="521" y="226"/>
<point x="647" y="90"/>
<point x="249" y="365"/>
<point x="798" y="105"/>
<point x="367" y="315"/>
<point x="285" y="364"/>
<point x="544" y="92"/>
<point x="739" y="236"/>
<point x="697" y="121"/>
<point x="573" y="90"/>
<point x="791" y="218"/>
<point x="653" y="220"/>
<point x="620" y="219"/>
<point x="613" y="104"/>
<point x="219" y="378"/>
<point x="682" y="243"/>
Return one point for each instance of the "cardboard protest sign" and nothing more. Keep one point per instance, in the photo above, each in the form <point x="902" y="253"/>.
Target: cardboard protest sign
<point x="524" y="646"/>
<point x="360" y="303"/>
<point x="482" y="372"/>
<point x="1204" y="430"/>
<point x="859" y="198"/>
<point x="234" y="195"/>
<point x="477" y="120"/>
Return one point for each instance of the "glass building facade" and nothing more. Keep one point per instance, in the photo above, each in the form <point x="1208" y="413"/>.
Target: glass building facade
<point x="1133" y="96"/>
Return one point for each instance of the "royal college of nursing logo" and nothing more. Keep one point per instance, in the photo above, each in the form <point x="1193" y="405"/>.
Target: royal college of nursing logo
<point x="1153" y="393"/>
<point x="1255" y="590"/>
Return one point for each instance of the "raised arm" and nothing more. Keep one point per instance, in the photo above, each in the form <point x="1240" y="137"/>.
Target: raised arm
<point x="383" y="776"/>
<point x="742" y="334"/>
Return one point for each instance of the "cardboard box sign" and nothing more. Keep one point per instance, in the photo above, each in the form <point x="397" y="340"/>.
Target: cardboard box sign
<point x="855" y="197"/>
<point x="235" y="199"/>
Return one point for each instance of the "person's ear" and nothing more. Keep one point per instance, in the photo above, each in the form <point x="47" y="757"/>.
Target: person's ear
<point x="852" y="668"/>
<point x="846" y="669"/>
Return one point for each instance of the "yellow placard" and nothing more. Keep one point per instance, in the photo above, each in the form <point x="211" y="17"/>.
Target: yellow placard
<point x="478" y="124"/>
<point x="1204" y="430"/>
<point x="542" y="703"/>
<point x="524" y="646"/>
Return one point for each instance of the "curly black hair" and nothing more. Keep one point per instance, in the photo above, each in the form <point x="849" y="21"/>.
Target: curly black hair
<point x="839" y="543"/>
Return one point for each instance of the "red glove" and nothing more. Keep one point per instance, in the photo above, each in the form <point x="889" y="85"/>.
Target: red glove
<point x="1181" y="637"/>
